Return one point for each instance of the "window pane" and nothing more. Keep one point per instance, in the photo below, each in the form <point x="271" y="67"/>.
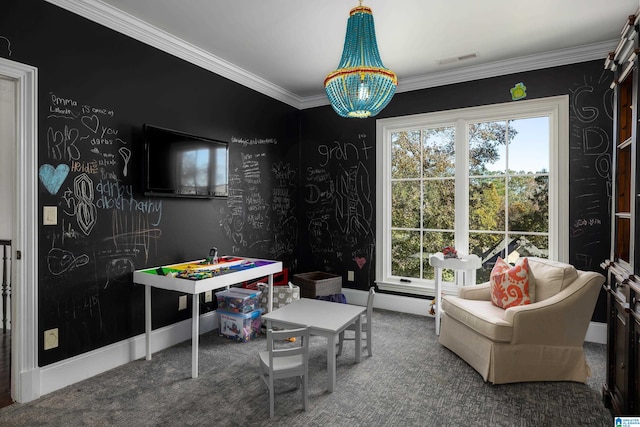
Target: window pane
<point x="405" y="204"/>
<point x="434" y="242"/>
<point x="521" y="246"/>
<point x="504" y="184"/>
<point x="529" y="147"/>
<point x="529" y="203"/>
<point x="405" y="253"/>
<point x="486" y="203"/>
<point x="487" y="153"/>
<point x="405" y="154"/>
<point x="488" y="246"/>
<point x="439" y="204"/>
<point x="439" y="152"/>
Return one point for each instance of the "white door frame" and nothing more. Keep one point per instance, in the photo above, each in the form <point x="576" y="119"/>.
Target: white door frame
<point x="25" y="374"/>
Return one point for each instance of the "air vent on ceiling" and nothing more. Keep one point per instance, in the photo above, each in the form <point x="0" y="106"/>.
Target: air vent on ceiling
<point x="453" y="59"/>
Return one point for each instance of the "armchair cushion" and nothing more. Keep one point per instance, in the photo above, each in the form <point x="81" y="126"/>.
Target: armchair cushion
<point x="481" y="316"/>
<point x="510" y="285"/>
<point x="550" y="277"/>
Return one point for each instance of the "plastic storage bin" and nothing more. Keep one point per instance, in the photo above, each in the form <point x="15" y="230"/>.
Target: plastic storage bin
<point x="240" y="326"/>
<point x="238" y="300"/>
<point x="317" y="283"/>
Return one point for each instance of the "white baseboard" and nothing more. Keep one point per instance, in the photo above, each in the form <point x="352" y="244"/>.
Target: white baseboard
<point x="87" y="365"/>
<point x="58" y="375"/>
<point x="597" y="332"/>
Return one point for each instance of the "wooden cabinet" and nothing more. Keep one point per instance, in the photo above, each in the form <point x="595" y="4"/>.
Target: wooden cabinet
<point x="621" y="392"/>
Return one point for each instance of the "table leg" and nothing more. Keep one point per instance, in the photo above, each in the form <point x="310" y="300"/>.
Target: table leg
<point x="359" y="339"/>
<point x="270" y="299"/>
<point x="331" y="362"/>
<point x="438" y="279"/>
<point x="195" y="326"/>
<point x="147" y="319"/>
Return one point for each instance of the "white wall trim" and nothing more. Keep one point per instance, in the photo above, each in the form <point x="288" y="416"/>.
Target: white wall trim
<point x="69" y="371"/>
<point x="117" y="20"/>
<point x="24" y="314"/>
<point x="597" y="332"/>
<point x="521" y="64"/>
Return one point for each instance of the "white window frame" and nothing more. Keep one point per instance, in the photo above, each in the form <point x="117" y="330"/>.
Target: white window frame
<point x="556" y="108"/>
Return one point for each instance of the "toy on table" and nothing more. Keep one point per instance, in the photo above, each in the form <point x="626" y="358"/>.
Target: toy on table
<point x="213" y="256"/>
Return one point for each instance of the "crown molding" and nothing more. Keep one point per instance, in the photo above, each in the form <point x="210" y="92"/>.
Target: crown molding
<point x="499" y="68"/>
<point x="117" y="20"/>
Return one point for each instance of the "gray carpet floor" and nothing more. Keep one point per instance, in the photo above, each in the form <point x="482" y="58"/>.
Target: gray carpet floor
<point x="411" y="380"/>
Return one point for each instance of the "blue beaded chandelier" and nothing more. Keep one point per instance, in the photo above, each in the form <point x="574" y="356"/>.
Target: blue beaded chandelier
<point x="361" y="86"/>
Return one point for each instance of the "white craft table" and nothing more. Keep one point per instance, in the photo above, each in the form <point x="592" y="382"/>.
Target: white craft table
<point x="227" y="274"/>
<point x="465" y="267"/>
<point x="323" y="318"/>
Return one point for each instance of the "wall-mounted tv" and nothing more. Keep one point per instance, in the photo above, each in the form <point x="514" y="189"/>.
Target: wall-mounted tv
<point x="178" y="164"/>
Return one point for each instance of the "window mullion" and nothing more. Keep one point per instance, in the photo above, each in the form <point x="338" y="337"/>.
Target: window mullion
<point x="421" y="225"/>
<point x="462" y="186"/>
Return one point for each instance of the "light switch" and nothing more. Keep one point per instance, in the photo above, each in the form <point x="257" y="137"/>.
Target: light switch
<point x="350" y="276"/>
<point x="50" y="215"/>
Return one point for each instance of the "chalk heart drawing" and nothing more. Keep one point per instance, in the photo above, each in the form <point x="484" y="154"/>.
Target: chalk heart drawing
<point x="361" y="261"/>
<point x="52" y="178"/>
<point x="91" y="122"/>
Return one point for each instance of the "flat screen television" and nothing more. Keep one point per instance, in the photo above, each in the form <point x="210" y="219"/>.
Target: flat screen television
<point x="178" y="164"/>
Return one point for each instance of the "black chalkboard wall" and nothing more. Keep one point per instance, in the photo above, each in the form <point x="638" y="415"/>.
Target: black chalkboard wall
<point x="302" y="182"/>
<point x="337" y="192"/>
<point x="96" y="90"/>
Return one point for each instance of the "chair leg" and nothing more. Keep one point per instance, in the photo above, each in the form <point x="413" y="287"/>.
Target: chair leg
<point x="369" y="339"/>
<point x="271" y="399"/>
<point x="304" y="392"/>
<point x="340" y="341"/>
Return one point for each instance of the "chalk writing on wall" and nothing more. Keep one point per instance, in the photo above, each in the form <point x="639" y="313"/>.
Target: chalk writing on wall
<point x="339" y="205"/>
<point x="104" y="229"/>
<point x="590" y="157"/>
<point x="260" y="215"/>
<point x="6" y="41"/>
<point x="285" y="225"/>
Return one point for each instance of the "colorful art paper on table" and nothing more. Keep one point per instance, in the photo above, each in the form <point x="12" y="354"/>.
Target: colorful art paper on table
<point x="196" y="270"/>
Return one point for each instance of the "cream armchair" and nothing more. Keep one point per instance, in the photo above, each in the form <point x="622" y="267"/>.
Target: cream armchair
<point x="542" y="341"/>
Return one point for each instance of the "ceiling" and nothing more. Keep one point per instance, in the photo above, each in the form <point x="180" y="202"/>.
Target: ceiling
<point x="285" y="48"/>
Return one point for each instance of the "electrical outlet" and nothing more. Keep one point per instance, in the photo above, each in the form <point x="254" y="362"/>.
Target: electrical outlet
<point x="51" y="338"/>
<point x="182" y="302"/>
<point x="208" y="296"/>
<point x="350" y="276"/>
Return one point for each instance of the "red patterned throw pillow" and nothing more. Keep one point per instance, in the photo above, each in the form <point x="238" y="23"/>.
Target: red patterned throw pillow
<point x="510" y="285"/>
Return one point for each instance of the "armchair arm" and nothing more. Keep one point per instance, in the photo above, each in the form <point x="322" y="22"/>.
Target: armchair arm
<point x="562" y="319"/>
<point x="476" y="292"/>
